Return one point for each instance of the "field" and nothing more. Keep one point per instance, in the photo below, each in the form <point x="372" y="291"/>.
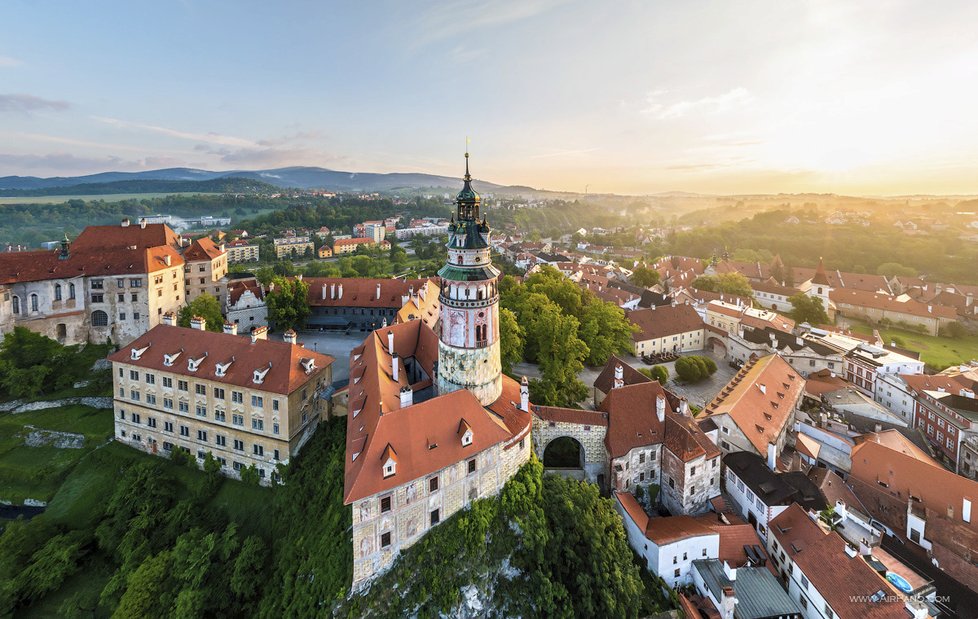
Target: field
<point x="110" y="197"/>
<point x="37" y="472"/>
<point x="937" y="352"/>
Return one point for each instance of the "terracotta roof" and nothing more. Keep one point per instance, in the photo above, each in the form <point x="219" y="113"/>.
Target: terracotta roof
<point x="32" y="266"/>
<point x="237" y="287"/>
<point x="861" y="298"/>
<point x="840" y="279"/>
<point x="686" y="440"/>
<point x="772" y="286"/>
<point x="750" y="270"/>
<point x="635" y="511"/>
<point x="117" y="237"/>
<point x="375" y="418"/>
<point x="606" y="379"/>
<point x="609" y="293"/>
<point x="845" y="582"/>
<point x="733" y="538"/>
<point x="424" y="305"/>
<point x="664" y="321"/>
<point x="202" y="249"/>
<point x="761" y="414"/>
<point x="820" y="277"/>
<point x="360" y="292"/>
<point x="935" y="382"/>
<point x="807" y="446"/>
<point x="894" y="440"/>
<point x="632" y="421"/>
<point x="834" y="487"/>
<point x="354" y="241"/>
<point x="671" y="529"/>
<point x="284" y="362"/>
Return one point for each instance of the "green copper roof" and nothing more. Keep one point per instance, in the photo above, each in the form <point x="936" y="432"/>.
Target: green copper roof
<point x="467" y="236"/>
<point x="468" y="274"/>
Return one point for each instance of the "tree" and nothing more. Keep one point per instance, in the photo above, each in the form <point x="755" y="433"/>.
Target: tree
<point x="727" y="283"/>
<point x="694" y="368"/>
<point x="895" y="269"/>
<point x="511" y="340"/>
<point x="808" y="309"/>
<point x="561" y="355"/>
<point x="147" y="589"/>
<point x="657" y="372"/>
<point x="605" y="329"/>
<point x="207" y="307"/>
<point x="644" y="276"/>
<point x="288" y="304"/>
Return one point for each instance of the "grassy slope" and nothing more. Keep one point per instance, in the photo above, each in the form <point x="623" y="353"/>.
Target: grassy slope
<point x="37" y="472"/>
<point x="937" y="352"/>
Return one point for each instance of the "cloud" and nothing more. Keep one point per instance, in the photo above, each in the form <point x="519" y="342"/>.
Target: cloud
<point x="210" y="138"/>
<point x="30" y="103"/>
<point x="60" y="163"/>
<point x="706" y="105"/>
<point x="446" y="20"/>
<point x="7" y="61"/>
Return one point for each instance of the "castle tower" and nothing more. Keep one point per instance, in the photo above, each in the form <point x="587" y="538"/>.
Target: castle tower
<point x="468" y="347"/>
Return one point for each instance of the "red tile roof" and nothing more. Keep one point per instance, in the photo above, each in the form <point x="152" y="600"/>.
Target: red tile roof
<point x="360" y="292"/>
<point x="606" y="379"/>
<point x="285" y="362"/>
<point x="845" y="582"/>
<point x="202" y="249"/>
<point x="760" y="414"/>
<point x="35" y="266"/>
<point x="861" y="298"/>
<point x="117" y="237"/>
<point x="664" y="321"/>
<point x="570" y="415"/>
<point x="733" y="538"/>
<point x="237" y="287"/>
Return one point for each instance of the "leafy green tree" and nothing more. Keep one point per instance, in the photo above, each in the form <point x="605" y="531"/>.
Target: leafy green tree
<point x="895" y="269"/>
<point x="727" y="283"/>
<point x="805" y="308"/>
<point x="645" y="277"/>
<point x="288" y="303"/>
<point x="562" y="354"/>
<point x="606" y="331"/>
<point x="32" y="364"/>
<point x="207" y="307"/>
<point x="148" y="589"/>
<point x="657" y="372"/>
<point x="511" y="340"/>
<point x="250" y="476"/>
<point x="247" y="574"/>
<point x="694" y="368"/>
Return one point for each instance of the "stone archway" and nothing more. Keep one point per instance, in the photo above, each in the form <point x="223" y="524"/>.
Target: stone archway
<point x="564" y="452"/>
<point x="717" y="346"/>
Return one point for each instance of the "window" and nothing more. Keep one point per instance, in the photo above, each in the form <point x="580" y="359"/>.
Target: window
<point x="133" y="375"/>
<point x="435" y="517"/>
<point x="222" y="441"/>
<point x="99" y="318"/>
<point x="237" y="397"/>
<point x="57" y="292"/>
<point x="167" y="382"/>
<point x="202" y="436"/>
<point x="274" y="428"/>
<point x="258" y="450"/>
<point x="151" y="379"/>
<point x="237" y="420"/>
<point x="257" y="424"/>
<point x="471" y="465"/>
<point x="71" y="291"/>
<point x="257" y="401"/>
<point x="98" y="298"/>
<point x="803" y="600"/>
<point x="238" y="445"/>
<point x="184" y="407"/>
<point x="276" y="455"/>
<point x="828" y="612"/>
<point x="135" y="283"/>
<point x="167" y="403"/>
<point x="385" y="504"/>
<point x="804" y="582"/>
<point x="433" y="484"/>
<point x="150" y="398"/>
<point x="122" y="414"/>
<point x="134" y="395"/>
<point x="201" y="410"/>
<point x="183" y="385"/>
<point x="97" y="284"/>
<point x="218" y="393"/>
<point x="135" y="418"/>
<point x="168" y="426"/>
<point x="184" y="431"/>
<point x="641" y="458"/>
<point x="220" y="416"/>
<point x="704" y="552"/>
<point x="200" y="389"/>
<point x="275" y="402"/>
<point x="385" y="540"/>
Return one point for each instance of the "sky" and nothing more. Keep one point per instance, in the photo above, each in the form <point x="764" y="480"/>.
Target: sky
<point x="633" y="97"/>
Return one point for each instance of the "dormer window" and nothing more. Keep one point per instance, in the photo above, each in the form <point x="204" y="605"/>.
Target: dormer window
<point x="465" y="430"/>
<point x="259" y="375"/>
<point x="136" y="353"/>
<point x="169" y="359"/>
<point x="389" y="459"/>
<point x="194" y="364"/>
<point x="309" y="365"/>
<point x="222" y="368"/>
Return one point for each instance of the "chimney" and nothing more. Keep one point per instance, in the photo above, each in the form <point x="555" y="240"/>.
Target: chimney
<point x="424" y="291"/>
<point x="198" y="322"/>
<point x="378" y="292"/>
<point x="230" y="328"/>
<point x="728" y="603"/>
<point x="930" y="309"/>
<point x="660" y="407"/>
<point x="772" y="457"/>
<point x="969" y="299"/>
<point x="684" y="407"/>
<point x="142" y="223"/>
<point x="339" y="291"/>
<point x="169" y="319"/>
<point x="840" y="509"/>
<point x="167" y="260"/>
<point x="395" y="373"/>
<point x="259" y="333"/>
<point x="125" y="222"/>
<point x="324" y="292"/>
<point x="619" y="376"/>
<point x="525" y="395"/>
<point x="407" y="396"/>
<point x="290" y="337"/>
<point x="390" y="342"/>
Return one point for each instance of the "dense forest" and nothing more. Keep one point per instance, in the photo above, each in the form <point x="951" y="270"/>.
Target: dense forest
<point x="228" y="184"/>
<point x="940" y="255"/>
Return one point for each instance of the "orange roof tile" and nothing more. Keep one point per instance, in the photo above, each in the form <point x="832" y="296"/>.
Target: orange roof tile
<point x="202" y="249"/>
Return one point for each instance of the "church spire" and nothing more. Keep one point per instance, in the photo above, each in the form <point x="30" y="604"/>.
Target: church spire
<point x="467" y="200"/>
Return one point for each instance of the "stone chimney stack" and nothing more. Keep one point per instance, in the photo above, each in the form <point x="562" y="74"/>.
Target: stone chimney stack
<point x="339" y="291"/>
<point x="199" y="323"/>
<point x="619" y="376"/>
<point x="142" y="223"/>
<point x="378" y="292"/>
<point x="407" y="396"/>
<point x="390" y="342"/>
<point x="324" y="292"/>
<point x="684" y="407"/>
<point x="169" y="319"/>
<point x="525" y="395"/>
<point x="230" y="328"/>
<point x="660" y="408"/>
<point x="395" y="372"/>
<point x="259" y="333"/>
<point x="290" y="337"/>
<point x="125" y="223"/>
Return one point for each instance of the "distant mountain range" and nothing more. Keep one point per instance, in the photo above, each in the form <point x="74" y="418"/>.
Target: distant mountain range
<point x="190" y="179"/>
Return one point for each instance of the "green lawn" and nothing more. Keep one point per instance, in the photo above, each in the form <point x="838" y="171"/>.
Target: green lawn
<point x="37" y="472"/>
<point x="936" y="352"/>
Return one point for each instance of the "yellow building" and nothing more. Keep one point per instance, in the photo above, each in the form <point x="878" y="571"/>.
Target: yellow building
<point x="248" y="402"/>
<point x="206" y="264"/>
<point x="242" y="251"/>
<point x="293" y="246"/>
<point x="324" y="252"/>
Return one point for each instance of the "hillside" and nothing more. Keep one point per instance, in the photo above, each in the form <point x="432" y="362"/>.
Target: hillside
<point x="216" y="185"/>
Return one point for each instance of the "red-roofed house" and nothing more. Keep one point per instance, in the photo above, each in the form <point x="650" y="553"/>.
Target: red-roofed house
<point x="205" y="270"/>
